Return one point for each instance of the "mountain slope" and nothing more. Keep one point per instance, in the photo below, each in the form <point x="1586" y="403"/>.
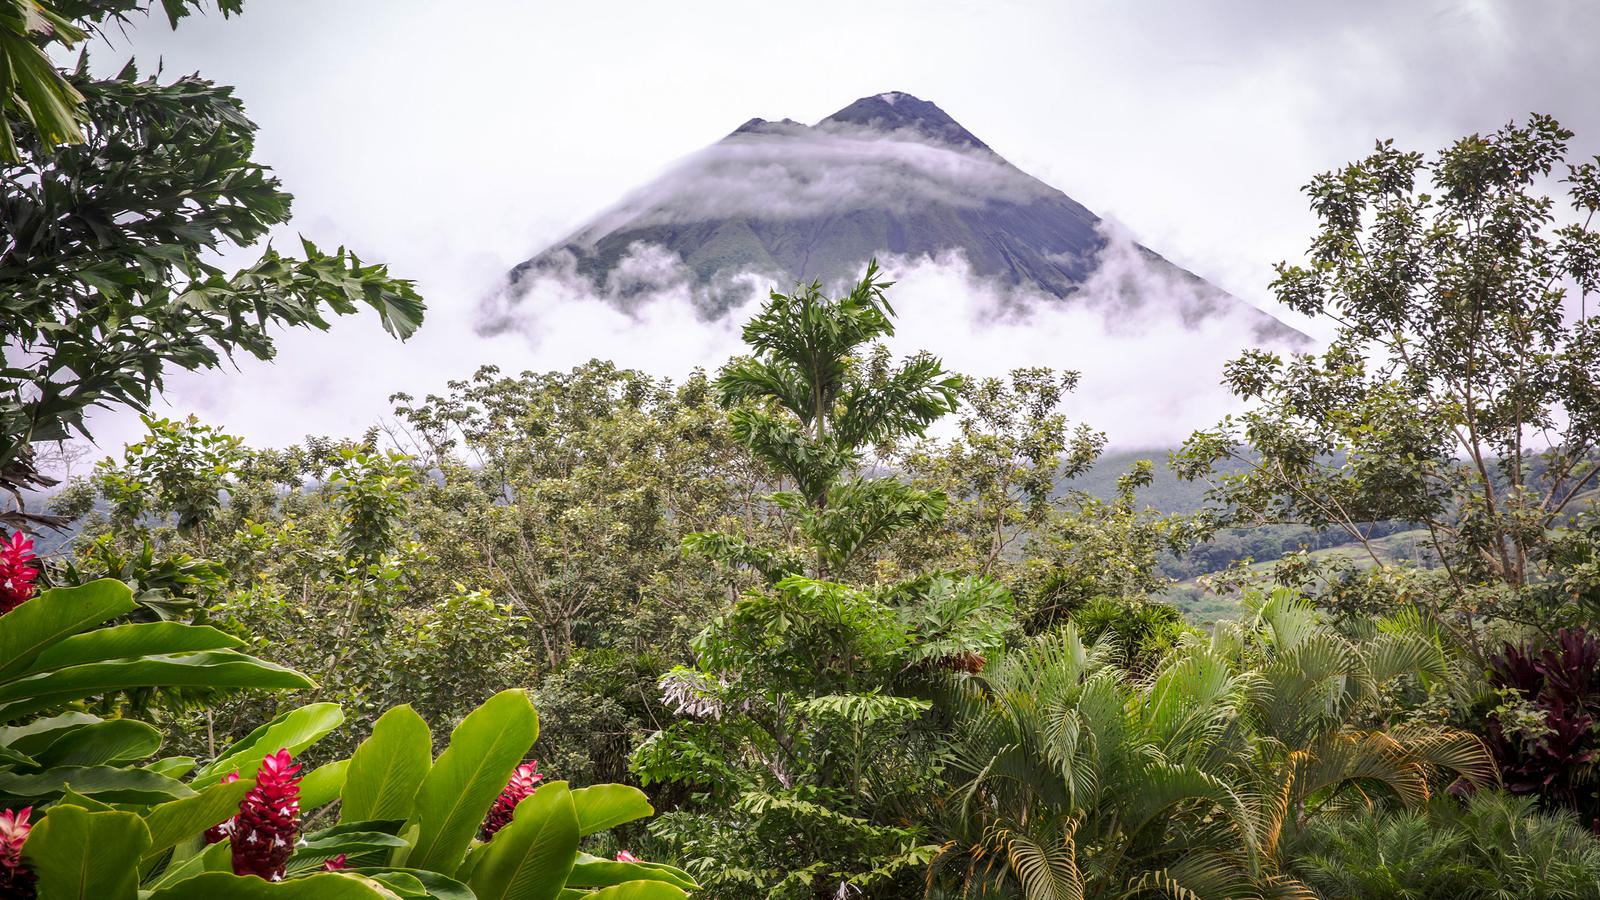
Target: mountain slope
<point x="890" y="174"/>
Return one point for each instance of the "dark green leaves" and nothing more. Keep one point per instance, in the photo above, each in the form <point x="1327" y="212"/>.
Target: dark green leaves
<point x="107" y="783"/>
<point x="106" y="282"/>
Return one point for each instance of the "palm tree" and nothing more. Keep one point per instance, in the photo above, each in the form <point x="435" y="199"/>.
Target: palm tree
<point x="817" y="391"/>
<point x="32" y="90"/>
<point x="1078" y="781"/>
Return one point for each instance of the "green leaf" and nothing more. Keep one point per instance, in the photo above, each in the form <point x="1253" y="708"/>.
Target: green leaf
<point x="102" y="743"/>
<point x="56" y="614"/>
<point x="403" y="884"/>
<point x="529" y="859"/>
<point x="322" y="785"/>
<point x="605" y="806"/>
<point x="437" y="886"/>
<point x="208" y="669"/>
<point x="321" y="886"/>
<point x="331" y="842"/>
<point x="639" y="890"/>
<point x="593" y="871"/>
<point x="175" y="820"/>
<point x="217" y="857"/>
<point x="122" y="641"/>
<point x="15" y="759"/>
<point x="38" y="735"/>
<point x="172" y="766"/>
<point x="388" y="768"/>
<point x="458" y="791"/>
<point x="108" y="783"/>
<point x="86" y="855"/>
<point x="294" y="731"/>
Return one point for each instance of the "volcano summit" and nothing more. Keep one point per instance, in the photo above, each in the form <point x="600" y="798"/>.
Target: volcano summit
<point x="889" y="175"/>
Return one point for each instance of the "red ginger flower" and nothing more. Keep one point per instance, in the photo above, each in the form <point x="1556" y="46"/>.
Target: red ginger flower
<point x="524" y="781"/>
<point x="625" y="856"/>
<point x="264" y="832"/>
<point x="17" y="572"/>
<point x="16" y="879"/>
<point x="335" y="864"/>
<point x="220" y="831"/>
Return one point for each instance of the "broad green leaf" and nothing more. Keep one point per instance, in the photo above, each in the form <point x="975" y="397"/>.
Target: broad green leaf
<point x="322" y="785"/>
<point x="38" y="735"/>
<point x="436" y="886"/>
<point x="172" y="766"/>
<point x="56" y="614"/>
<point x="206" y="669"/>
<point x="315" y="848"/>
<point x="529" y="859"/>
<point x="593" y="871"/>
<point x="388" y="768"/>
<point x="15" y="759"/>
<point x="639" y="890"/>
<point x="82" y="855"/>
<point x="175" y="820"/>
<point x="123" y="641"/>
<point x="217" y="857"/>
<point x="605" y="806"/>
<point x="404" y="884"/>
<point x="321" y="886"/>
<point x="294" y="731"/>
<point x="107" y="783"/>
<point x="458" y="791"/>
<point x="70" y="797"/>
<point x="112" y="741"/>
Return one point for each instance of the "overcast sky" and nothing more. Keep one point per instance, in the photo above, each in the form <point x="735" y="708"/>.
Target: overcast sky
<point x="453" y="140"/>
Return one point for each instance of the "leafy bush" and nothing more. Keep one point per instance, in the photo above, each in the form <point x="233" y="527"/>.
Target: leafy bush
<point x="1496" y="846"/>
<point x="1544" y="735"/>
<point x="90" y="812"/>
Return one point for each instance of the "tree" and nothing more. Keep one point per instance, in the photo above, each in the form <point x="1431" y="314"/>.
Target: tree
<point x="1004" y="470"/>
<point x="810" y="401"/>
<point x="1462" y="389"/>
<point x="105" y="271"/>
<point x="801" y="737"/>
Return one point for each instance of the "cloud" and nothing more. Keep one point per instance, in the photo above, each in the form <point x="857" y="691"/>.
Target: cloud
<point x="1194" y="123"/>
<point x="791" y="171"/>
<point x="1149" y="339"/>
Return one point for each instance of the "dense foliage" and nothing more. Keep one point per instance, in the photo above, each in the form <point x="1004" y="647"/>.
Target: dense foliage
<point x="845" y="651"/>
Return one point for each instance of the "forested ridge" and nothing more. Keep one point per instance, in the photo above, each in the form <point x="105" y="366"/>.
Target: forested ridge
<point x="819" y="622"/>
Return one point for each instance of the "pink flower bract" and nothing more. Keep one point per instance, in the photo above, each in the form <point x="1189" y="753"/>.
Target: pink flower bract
<point x="264" y="832"/>
<point x="220" y="831"/>
<point x="524" y="781"/>
<point x="17" y="572"/>
<point x="16" y="879"/>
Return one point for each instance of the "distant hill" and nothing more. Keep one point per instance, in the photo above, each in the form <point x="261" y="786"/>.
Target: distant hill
<point x="780" y="202"/>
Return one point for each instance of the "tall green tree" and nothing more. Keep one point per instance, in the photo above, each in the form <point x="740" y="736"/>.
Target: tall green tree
<point x="1461" y="390"/>
<point x="801" y="738"/>
<point x="816" y="393"/>
<point x="107" y="257"/>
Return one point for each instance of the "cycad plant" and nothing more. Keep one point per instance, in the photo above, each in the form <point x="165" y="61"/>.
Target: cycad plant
<point x="1495" y="846"/>
<point x="1077" y="780"/>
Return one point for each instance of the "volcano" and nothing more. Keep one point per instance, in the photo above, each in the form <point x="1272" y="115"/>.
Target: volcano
<point x="779" y="202"/>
